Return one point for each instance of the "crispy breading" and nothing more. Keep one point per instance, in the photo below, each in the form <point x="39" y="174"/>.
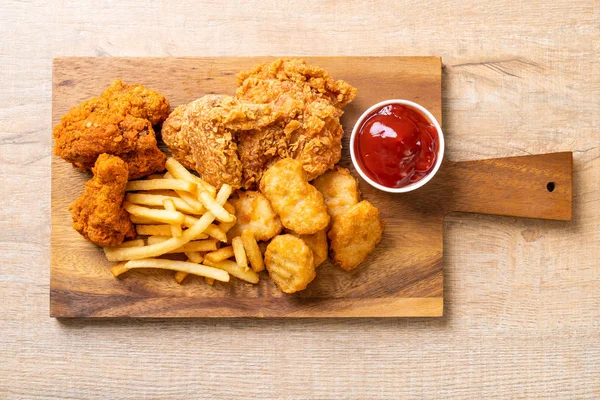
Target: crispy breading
<point x="354" y="234"/>
<point x="98" y="214"/>
<point x="290" y="263"/>
<point x="267" y="81"/>
<point x="309" y="101"/>
<point x="318" y="244"/>
<point x="339" y="189"/>
<point x="282" y="109"/>
<point x="118" y="122"/>
<point x="253" y="212"/>
<point x="300" y="206"/>
<point x="203" y="134"/>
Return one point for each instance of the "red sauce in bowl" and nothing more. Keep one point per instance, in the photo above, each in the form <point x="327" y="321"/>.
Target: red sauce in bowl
<point x="396" y="145"/>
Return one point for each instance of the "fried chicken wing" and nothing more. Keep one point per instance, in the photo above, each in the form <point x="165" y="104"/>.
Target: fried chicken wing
<point x="290" y="263"/>
<point x="98" y="214"/>
<point x="300" y="206"/>
<point x="318" y="244"/>
<point x="339" y="189"/>
<point x="203" y="135"/>
<point x="253" y="212"/>
<point x="354" y="234"/>
<point x="268" y="81"/>
<point x="285" y="109"/>
<point x="309" y="101"/>
<point x="118" y="122"/>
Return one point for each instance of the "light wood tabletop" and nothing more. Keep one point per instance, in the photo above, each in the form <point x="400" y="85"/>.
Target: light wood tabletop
<point x="522" y="297"/>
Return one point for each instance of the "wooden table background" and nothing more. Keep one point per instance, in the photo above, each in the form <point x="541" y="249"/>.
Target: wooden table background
<point x="522" y="313"/>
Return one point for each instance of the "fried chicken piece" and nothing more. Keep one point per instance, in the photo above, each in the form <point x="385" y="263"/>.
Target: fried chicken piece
<point x="339" y="189"/>
<point x="98" y="215"/>
<point x="268" y="81"/>
<point x="202" y="135"/>
<point x="253" y="212"/>
<point x="318" y="244"/>
<point x="354" y="234"/>
<point x="309" y="101"/>
<point x="300" y="206"/>
<point x="290" y="263"/>
<point x="118" y="122"/>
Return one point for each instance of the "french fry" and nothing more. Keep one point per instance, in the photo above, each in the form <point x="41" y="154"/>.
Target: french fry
<point x="196" y="269"/>
<point x="158" y="249"/>
<point x="153" y="230"/>
<point x="162" y="192"/>
<point x="180" y="172"/>
<point x="223" y="194"/>
<point x="169" y="217"/>
<point x="169" y="205"/>
<point x="232" y="268"/>
<point x="132" y="243"/>
<point x="187" y="197"/>
<point x="217" y="209"/>
<point x="239" y="252"/>
<point x="212" y="230"/>
<point x="215" y="232"/>
<point x="157" y="200"/>
<point x="159" y="230"/>
<point x="158" y="238"/>
<point x="155" y="184"/>
<point x="194" y="256"/>
<point x="210" y="281"/>
<point x="180" y="276"/>
<point x="140" y="220"/>
<point x="195" y="245"/>
<point x="252" y="251"/>
<point x="219" y="255"/>
<point x="191" y="201"/>
<point x="226" y="226"/>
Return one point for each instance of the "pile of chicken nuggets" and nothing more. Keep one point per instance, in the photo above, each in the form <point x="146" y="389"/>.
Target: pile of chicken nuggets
<point x="267" y="175"/>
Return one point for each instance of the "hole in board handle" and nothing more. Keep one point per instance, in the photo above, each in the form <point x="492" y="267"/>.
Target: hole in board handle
<point x="550" y="186"/>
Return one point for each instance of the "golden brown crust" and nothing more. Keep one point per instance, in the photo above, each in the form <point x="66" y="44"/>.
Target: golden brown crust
<point x="281" y="109"/>
<point x="309" y="102"/>
<point x="318" y="244"/>
<point x="354" y="234"/>
<point x="203" y="135"/>
<point x="339" y="189"/>
<point x="300" y="206"/>
<point x="290" y="263"/>
<point x="253" y="212"/>
<point x="259" y="82"/>
<point x="118" y="122"/>
<point x="98" y="214"/>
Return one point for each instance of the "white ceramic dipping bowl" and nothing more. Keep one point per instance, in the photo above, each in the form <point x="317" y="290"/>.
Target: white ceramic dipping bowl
<point x="421" y="110"/>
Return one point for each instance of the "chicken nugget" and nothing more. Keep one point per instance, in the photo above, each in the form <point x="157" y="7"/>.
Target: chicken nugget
<point x="300" y="206"/>
<point x="318" y="244"/>
<point x="290" y="263"/>
<point x="98" y="215"/>
<point x="339" y="189"/>
<point x="254" y="213"/>
<point x="354" y="234"/>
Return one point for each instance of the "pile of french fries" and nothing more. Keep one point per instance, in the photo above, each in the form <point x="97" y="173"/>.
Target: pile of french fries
<point x="177" y="212"/>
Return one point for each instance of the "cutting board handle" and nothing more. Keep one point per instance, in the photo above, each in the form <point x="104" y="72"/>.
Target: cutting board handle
<point x="536" y="186"/>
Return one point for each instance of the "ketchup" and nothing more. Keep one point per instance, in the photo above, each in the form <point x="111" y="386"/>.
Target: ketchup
<point x="396" y="145"/>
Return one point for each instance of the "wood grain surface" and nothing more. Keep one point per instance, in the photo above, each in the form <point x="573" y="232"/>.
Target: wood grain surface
<point x="400" y="278"/>
<point x="403" y="277"/>
<point x="522" y="296"/>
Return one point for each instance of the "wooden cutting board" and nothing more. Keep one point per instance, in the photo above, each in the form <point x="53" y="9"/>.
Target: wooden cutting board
<point x="402" y="278"/>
